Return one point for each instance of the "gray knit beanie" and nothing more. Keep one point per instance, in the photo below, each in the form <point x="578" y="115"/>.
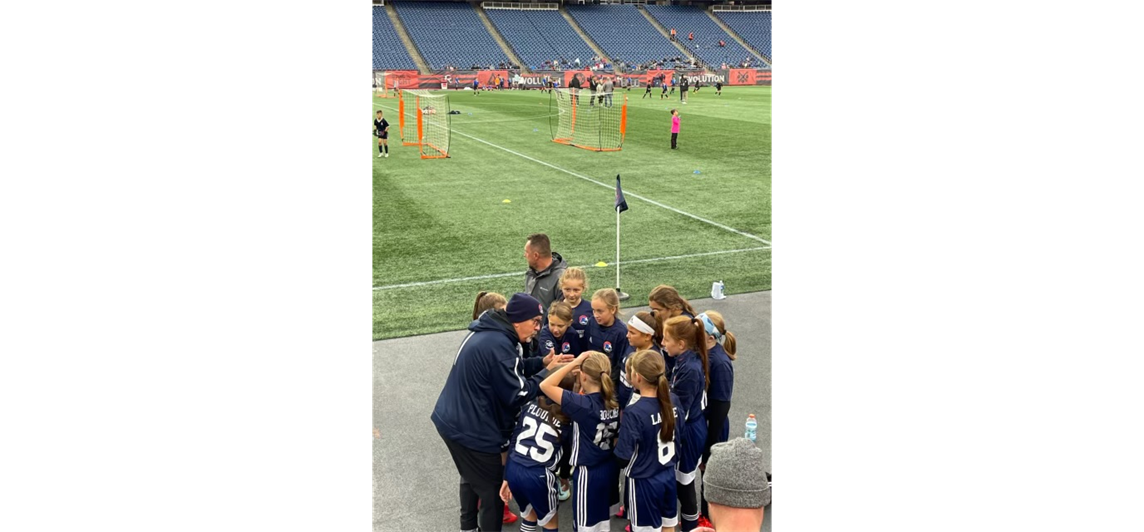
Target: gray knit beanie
<point x="735" y="475"/>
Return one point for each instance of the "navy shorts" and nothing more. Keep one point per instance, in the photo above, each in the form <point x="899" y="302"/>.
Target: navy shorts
<point x="651" y="501"/>
<point x="692" y="438"/>
<point x="596" y="496"/>
<point x="534" y="488"/>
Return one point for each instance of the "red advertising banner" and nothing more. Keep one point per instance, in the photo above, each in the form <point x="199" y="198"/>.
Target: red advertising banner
<point x="741" y="76"/>
<point x="652" y="74"/>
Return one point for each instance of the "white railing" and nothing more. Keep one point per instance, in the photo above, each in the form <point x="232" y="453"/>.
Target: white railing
<point x="740" y="8"/>
<point x="544" y="6"/>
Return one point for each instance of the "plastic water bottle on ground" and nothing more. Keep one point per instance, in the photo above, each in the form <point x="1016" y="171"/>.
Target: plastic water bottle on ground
<point x="717" y="290"/>
<point x="752" y="427"/>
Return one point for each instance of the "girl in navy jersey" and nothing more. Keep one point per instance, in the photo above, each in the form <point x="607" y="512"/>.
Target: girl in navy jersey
<point x="595" y="419"/>
<point x="573" y="284"/>
<point x="666" y="303"/>
<point x="720" y="353"/>
<point x="685" y="339"/>
<point x="533" y="455"/>
<point x="644" y="332"/>
<point x="557" y="336"/>
<point x="648" y="447"/>
<point x="606" y="333"/>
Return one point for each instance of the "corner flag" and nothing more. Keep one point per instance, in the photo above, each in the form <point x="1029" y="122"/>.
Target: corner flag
<point x="621" y="203"/>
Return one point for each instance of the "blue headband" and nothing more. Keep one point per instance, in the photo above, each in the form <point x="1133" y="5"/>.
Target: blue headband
<point x="709" y="326"/>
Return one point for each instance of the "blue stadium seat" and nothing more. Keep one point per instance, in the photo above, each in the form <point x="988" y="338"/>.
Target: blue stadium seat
<point x="693" y="19"/>
<point x="623" y="33"/>
<point x="540" y="35"/>
<point x="448" y="33"/>
<point x="389" y="52"/>
<point x="753" y="26"/>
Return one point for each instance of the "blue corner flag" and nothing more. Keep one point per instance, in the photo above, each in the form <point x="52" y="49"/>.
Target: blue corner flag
<point x="621" y="203"/>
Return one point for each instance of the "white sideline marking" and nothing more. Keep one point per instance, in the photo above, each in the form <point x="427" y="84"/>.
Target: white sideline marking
<point x="587" y="266"/>
<point x="611" y="187"/>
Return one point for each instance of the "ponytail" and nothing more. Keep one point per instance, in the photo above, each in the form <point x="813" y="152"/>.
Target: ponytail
<point x="477" y="305"/>
<point x="700" y="339"/>
<point x="667" y="425"/>
<point x="729" y="344"/>
<point x="609" y="390"/>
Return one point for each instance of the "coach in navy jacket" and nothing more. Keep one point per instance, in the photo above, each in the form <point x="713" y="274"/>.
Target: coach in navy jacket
<point x="476" y="411"/>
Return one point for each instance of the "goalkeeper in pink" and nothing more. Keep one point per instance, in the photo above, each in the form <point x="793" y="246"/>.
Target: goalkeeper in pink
<point x="674" y="126"/>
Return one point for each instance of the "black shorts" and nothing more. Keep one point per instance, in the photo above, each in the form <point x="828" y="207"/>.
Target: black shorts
<point x="382" y="135"/>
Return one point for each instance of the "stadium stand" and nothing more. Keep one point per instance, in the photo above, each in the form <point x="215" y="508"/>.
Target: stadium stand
<point x="753" y="26"/>
<point x="693" y="19"/>
<point x="623" y="33"/>
<point x="389" y="52"/>
<point x="540" y="35"/>
<point x="449" y="34"/>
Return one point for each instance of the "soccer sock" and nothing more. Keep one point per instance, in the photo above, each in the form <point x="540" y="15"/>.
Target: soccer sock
<point x="688" y="509"/>
<point x="527" y="526"/>
<point x="386" y="148"/>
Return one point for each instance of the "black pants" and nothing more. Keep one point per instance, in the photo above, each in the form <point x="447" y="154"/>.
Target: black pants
<point x="673" y="137"/>
<point x="481" y="477"/>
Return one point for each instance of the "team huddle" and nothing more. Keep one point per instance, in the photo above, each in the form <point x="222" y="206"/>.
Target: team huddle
<point x="542" y="405"/>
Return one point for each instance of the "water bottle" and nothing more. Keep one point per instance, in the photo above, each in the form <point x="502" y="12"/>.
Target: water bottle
<point x="752" y="425"/>
<point x="717" y="290"/>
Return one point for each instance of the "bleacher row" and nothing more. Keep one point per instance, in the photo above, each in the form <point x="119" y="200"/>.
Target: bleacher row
<point x="451" y="34"/>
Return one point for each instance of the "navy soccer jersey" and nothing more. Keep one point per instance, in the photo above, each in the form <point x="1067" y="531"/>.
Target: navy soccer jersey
<point x="624" y="393"/>
<point x="688" y="383"/>
<point x="722" y="374"/>
<point x="536" y="441"/>
<point x="593" y="427"/>
<point x="640" y="442"/>
<point x="569" y="344"/>
<point x="611" y="340"/>
<point x="581" y="316"/>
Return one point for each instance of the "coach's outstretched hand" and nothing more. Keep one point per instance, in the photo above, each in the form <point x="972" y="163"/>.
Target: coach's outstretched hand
<point x="553" y="362"/>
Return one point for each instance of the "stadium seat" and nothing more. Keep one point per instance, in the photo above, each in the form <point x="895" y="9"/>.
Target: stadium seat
<point x="623" y="32"/>
<point x="540" y="35"/>
<point x="389" y="52"/>
<point x="753" y="26"/>
<point x="448" y="33"/>
<point x="693" y="19"/>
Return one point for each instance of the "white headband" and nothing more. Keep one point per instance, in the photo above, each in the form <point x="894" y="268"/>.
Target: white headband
<point x="640" y="326"/>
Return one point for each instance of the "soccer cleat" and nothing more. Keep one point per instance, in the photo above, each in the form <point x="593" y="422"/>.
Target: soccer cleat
<point x="387" y="155"/>
<point x="509" y="517"/>
<point x="620" y="513"/>
<point x="704" y="522"/>
<point x="380" y="155"/>
<point x="565" y="491"/>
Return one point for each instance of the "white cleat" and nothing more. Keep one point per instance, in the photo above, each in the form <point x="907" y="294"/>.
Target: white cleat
<point x="380" y="155"/>
<point x="387" y="156"/>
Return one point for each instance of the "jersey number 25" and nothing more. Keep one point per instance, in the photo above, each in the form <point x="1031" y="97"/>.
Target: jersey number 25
<point x="531" y="428"/>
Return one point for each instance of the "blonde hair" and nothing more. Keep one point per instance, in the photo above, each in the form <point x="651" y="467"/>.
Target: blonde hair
<point x="573" y="274"/>
<point x="649" y="365"/>
<point x="598" y="368"/>
<point x="669" y="297"/>
<point x="487" y="300"/>
<point x="561" y="310"/>
<point x="728" y="338"/>
<point x="610" y="298"/>
<point x="691" y="332"/>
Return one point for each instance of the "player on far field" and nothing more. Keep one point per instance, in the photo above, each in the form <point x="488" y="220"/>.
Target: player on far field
<point x="718" y="88"/>
<point x="476" y="86"/>
<point x="683" y="90"/>
<point x="381" y="131"/>
<point x="647" y="92"/>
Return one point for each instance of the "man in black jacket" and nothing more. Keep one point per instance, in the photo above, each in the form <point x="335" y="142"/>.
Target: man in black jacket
<point x="544" y="270"/>
<point x="476" y="412"/>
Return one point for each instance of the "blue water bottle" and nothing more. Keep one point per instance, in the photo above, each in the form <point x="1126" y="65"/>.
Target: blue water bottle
<point x="752" y="425"/>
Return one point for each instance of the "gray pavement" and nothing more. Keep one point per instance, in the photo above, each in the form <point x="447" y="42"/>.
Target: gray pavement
<point x="414" y="479"/>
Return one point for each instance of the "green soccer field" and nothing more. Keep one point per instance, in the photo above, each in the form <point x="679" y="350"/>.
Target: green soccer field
<point x="443" y="231"/>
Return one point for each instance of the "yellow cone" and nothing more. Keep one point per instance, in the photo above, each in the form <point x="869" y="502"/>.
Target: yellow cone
<point x="507" y="201"/>
<point x="601" y="264"/>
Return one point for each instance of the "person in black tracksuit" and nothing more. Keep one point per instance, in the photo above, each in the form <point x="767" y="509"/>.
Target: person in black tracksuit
<point x="476" y="412"/>
<point x="381" y="131"/>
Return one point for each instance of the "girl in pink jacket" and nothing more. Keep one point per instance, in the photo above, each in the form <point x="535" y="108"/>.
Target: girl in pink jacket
<point x="674" y="126"/>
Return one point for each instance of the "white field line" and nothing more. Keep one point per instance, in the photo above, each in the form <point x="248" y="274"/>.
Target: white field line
<point x="627" y="193"/>
<point x="588" y="266"/>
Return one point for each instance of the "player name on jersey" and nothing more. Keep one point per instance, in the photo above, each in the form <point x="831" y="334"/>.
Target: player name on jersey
<point x="535" y="410"/>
